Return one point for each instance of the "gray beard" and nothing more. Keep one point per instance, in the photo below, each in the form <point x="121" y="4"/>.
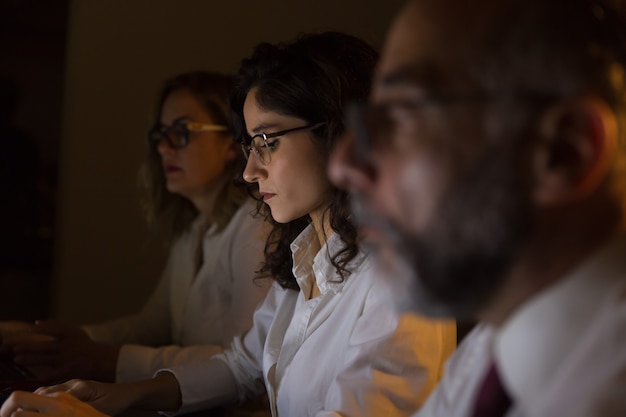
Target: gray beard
<point x="455" y="266"/>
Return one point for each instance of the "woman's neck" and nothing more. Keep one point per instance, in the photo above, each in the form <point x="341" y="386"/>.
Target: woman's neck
<point x="321" y="223"/>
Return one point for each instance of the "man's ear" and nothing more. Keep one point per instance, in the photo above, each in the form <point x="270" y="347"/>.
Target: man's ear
<point x="578" y="143"/>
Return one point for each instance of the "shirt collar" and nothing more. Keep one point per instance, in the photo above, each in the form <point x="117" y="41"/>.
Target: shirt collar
<point x="198" y="226"/>
<point x="313" y="262"/>
<point x="533" y="343"/>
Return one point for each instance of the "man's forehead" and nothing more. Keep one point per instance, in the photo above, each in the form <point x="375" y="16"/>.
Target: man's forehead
<point x="419" y="75"/>
<point x="428" y="39"/>
<point x="414" y="80"/>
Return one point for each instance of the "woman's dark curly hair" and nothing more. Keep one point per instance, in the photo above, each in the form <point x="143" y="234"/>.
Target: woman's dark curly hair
<point x="312" y="79"/>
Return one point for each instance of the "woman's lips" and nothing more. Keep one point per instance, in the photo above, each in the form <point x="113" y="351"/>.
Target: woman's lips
<point x="171" y="169"/>
<point x="267" y="196"/>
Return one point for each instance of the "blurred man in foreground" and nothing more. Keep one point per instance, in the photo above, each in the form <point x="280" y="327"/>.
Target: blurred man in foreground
<point x="489" y="173"/>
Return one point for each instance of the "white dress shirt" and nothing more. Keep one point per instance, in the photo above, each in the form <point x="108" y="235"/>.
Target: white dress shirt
<point x="343" y="353"/>
<point x="192" y="314"/>
<point x="563" y="353"/>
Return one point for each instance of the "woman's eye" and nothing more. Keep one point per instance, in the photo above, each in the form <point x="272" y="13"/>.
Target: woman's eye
<point x="180" y="129"/>
<point x="272" y="144"/>
<point x="405" y="117"/>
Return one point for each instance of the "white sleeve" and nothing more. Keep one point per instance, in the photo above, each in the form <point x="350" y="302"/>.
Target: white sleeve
<point x="245" y="256"/>
<point x="235" y="375"/>
<point x="138" y="362"/>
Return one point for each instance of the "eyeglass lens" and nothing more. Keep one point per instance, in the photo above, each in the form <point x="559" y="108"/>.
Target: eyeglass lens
<point x="177" y="135"/>
<point x="258" y="147"/>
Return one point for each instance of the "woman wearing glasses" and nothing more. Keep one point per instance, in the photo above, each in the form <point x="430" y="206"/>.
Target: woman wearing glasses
<point x="326" y="341"/>
<point x="207" y="293"/>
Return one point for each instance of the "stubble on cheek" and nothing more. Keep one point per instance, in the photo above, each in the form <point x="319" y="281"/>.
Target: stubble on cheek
<point x="416" y="194"/>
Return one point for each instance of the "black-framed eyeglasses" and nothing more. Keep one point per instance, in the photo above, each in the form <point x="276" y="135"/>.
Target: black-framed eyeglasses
<point x="177" y="135"/>
<point x="259" y="145"/>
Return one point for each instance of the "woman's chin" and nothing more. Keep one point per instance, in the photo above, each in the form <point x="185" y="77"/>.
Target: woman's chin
<point x="175" y="187"/>
<point x="172" y="187"/>
<point x="282" y="217"/>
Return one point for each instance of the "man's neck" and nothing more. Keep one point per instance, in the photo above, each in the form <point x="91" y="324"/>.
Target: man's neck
<point x="553" y="250"/>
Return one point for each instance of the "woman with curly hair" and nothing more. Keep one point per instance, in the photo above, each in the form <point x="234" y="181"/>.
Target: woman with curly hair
<point x="327" y="340"/>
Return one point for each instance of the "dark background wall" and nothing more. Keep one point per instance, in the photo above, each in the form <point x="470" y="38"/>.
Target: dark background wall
<point x="32" y="59"/>
<point x="117" y="52"/>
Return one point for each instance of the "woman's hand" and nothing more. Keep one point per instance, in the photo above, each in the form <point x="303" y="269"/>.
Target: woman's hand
<point x="11" y="331"/>
<point x="78" y="398"/>
<point x="159" y="393"/>
<point x="108" y="398"/>
<point x="54" y="351"/>
<point x="57" y="404"/>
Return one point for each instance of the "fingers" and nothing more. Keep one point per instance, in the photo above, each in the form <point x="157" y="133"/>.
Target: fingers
<point x="17" y="401"/>
<point x="23" y="404"/>
<point x="57" y="404"/>
<point x="25" y="413"/>
<point x="11" y="329"/>
<point x="30" y="342"/>
<point x="83" y="390"/>
<point x="58" y="329"/>
<point x="51" y="327"/>
<point x="65" y="386"/>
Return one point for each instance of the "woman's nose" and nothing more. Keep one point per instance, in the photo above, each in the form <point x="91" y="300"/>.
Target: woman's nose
<point x="254" y="170"/>
<point x="163" y="147"/>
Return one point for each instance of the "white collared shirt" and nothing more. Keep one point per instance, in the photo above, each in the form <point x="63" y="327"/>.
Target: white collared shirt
<point x="345" y="352"/>
<point x="192" y="314"/>
<point x="563" y="353"/>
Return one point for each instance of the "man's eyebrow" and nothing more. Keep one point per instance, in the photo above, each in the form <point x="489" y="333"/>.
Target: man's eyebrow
<point x="424" y="76"/>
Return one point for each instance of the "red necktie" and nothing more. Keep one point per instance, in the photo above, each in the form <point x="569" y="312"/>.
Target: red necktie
<point x="492" y="399"/>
